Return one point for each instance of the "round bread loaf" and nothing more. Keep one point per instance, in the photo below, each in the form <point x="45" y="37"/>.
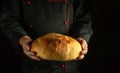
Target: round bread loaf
<point x="58" y="47"/>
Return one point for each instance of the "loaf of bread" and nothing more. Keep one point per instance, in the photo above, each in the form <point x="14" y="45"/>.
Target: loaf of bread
<point x="58" y="47"/>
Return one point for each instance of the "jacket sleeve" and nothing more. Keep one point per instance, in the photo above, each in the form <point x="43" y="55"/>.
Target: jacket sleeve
<point x="10" y="22"/>
<point x="82" y="22"/>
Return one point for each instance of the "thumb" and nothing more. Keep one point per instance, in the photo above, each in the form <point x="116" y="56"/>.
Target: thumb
<point x="25" y="42"/>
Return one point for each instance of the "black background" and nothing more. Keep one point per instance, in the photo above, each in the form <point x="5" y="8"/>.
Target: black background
<point x="103" y="55"/>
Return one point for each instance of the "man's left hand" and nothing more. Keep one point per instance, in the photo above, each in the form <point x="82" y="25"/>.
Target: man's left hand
<point x="84" y="46"/>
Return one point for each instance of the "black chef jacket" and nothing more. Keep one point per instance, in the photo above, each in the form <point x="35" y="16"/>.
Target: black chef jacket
<point x="38" y="17"/>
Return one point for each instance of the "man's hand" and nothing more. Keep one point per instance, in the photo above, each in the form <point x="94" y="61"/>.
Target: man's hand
<point x="84" y="48"/>
<point x="25" y="43"/>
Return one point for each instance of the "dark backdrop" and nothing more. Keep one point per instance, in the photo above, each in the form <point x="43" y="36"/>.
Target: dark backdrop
<point x="103" y="55"/>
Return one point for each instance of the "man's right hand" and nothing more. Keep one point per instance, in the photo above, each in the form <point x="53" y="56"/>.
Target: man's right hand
<point x="25" y="43"/>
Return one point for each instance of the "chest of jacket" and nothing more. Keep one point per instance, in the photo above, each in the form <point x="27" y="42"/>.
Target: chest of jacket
<point x="44" y="16"/>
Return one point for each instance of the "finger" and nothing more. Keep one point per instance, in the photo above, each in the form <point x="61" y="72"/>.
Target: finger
<point x="26" y="47"/>
<point x="84" y="45"/>
<point x="33" y="56"/>
<point x="84" y="51"/>
<point x="80" y="57"/>
<point x="30" y="53"/>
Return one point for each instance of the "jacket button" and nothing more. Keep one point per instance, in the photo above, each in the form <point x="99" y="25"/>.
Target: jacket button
<point x="63" y="65"/>
<point x="28" y="2"/>
<point x="65" y="23"/>
<point x="30" y="25"/>
<point x="34" y="67"/>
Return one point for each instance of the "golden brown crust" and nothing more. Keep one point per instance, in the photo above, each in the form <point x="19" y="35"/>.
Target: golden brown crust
<point x="54" y="46"/>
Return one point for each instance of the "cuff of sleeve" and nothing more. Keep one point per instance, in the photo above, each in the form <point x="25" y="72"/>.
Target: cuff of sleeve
<point x="14" y="38"/>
